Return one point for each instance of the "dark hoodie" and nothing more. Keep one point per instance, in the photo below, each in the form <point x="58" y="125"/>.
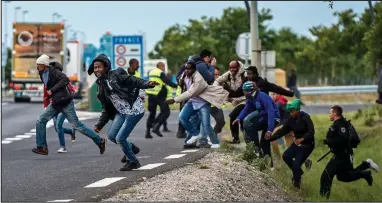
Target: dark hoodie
<point x="123" y="84"/>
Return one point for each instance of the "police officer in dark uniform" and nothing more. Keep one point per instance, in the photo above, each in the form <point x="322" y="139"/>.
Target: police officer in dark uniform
<point x="341" y="164"/>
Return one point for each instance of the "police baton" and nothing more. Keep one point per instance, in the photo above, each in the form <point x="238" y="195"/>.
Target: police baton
<point x="324" y="155"/>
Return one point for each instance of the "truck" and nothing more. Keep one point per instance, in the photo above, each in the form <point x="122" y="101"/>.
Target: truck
<point x="31" y="40"/>
<point x="75" y="67"/>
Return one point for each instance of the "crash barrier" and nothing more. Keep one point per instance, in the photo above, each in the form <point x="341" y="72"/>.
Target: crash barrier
<point x="353" y="89"/>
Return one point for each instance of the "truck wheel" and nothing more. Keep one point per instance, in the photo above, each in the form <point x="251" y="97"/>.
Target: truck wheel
<point x="18" y="100"/>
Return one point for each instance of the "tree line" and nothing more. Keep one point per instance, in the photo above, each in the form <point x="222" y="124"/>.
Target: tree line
<point x="347" y="52"/>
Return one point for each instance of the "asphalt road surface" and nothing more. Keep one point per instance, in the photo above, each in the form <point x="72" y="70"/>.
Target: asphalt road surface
<point x="82" y="174"/>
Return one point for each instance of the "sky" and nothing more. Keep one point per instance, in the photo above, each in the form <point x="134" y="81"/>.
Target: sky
<point x="154" y="17"/>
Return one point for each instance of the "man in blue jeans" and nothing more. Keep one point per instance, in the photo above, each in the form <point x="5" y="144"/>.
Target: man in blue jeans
<point x="259" y="114"/>
<point x="56" y="83"/>
<point x="122" y="100"/>
<point x="200" y="96"/>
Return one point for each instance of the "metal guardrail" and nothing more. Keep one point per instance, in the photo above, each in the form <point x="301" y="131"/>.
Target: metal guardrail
<point x="338" y="89"/>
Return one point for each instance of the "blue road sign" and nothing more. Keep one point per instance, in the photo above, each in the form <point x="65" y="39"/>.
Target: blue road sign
<point x="90" y="52"/>
<point x="126" y="48"/>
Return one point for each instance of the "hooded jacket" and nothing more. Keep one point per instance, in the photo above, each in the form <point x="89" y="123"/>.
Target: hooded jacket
<point x="206" y="70"/>
<point x="124" y="85"/>
<point x="57" y="84"/>
<point x="232" y="83"/>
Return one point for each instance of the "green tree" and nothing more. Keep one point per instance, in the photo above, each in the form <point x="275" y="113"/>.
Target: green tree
<point x="373" y="38"/>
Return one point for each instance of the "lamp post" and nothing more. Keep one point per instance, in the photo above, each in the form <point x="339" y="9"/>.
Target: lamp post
<point x="23" y="16"/>
<point x="54" y="15"/>
<point x="255" y="42"/>
<point x="16" y="12"/>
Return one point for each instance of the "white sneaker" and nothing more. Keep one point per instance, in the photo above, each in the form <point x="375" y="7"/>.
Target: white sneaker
<point x="373" y="165"/>
<point x="209" y="141"/>
<point x="62" y="150"/>
<point x="194" y="139"/>
<point x="215" y="146"/>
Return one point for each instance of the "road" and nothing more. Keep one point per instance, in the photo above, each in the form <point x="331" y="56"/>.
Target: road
<point x="69" y="177"/>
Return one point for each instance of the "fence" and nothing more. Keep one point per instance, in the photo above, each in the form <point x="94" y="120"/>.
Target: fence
<point x="354" y="89"/>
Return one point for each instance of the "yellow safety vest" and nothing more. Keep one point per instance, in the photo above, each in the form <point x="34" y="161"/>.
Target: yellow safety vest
<point x="154" y="75"/>
<point x="169" y="92"/>
<point x="178" y="91"/>
<point x="136" y="74"/>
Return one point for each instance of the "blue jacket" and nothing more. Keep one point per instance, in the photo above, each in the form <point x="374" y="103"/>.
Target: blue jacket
<point x="207" y="71"/>
<point x="265" y="105"/>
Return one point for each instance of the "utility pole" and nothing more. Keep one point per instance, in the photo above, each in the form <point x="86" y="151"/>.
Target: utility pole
<point x="53" y="15"/>
<point x="5" y="44"/>
<point x="17" y="9"/>
<point x="23" y="16"/>
<point x="255" y="42"/>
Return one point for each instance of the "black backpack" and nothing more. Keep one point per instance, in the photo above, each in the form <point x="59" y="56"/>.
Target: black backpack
<point x="354" y="139"/>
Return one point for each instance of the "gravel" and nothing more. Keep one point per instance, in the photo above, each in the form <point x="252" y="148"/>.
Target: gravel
<point x="216" y="177"/>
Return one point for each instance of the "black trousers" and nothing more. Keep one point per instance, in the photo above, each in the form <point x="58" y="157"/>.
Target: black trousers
<point x="218" y="115"/>
<point x="153" y="102"/>
<point x="342" y="166"/>
<point x="295" y="156"/>
<point x="233" y="115"/>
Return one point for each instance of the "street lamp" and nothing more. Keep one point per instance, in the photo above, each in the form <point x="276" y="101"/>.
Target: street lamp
<point x="53" y="15"/>
<point x="16" y="10"/>
<point x="23" y="17"/>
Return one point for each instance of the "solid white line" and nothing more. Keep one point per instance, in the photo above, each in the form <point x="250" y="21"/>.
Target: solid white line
<point x="143" y="157"/>
<point x="23" y="136"/>
<point x="150" y="166"/>
<point x="61" y="200"/>
<point x="104" y="182"/>
<point x="6" y="142"/>
<point x="190" y="150"/>
<point x="30" y="134"/>
<point x="13" y="138"/>
<point x="175" y="156"/>
<point x="33" y="131"/>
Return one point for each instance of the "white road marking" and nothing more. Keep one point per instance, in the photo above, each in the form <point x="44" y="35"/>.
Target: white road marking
<point x="143" y="157"/>
<point x="150" y="166"/>
<point x="50" y="124"/>
<point x="3" y="104"/>
<point x="61" y="200"/>
<point x="6" y="142"/>
<point x="175" y="156"/>
<point x="30" y="134"/>
<point x="190" y="150"/>
<point x="33" y="131"/>
<point x="13" y="139"/>
<point x="104" y="182"/>
<point x="23" y="136"/>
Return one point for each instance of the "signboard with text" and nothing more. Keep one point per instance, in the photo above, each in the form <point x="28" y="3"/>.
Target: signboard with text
<point x="126" y="48"/>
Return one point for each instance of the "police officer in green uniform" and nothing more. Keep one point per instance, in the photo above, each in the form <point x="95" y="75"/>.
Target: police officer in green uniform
<point x="134" y="68"/>
<point x="157" y="96"/>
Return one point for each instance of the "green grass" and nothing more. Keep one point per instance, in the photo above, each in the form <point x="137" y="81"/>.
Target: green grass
<point x="370" y="147"/>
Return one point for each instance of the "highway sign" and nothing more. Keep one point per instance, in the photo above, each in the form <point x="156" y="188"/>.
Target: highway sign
<point x="243" y="50"/>
<point x="126" y="48"/>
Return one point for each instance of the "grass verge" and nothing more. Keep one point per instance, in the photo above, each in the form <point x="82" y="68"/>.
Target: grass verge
<point x="368" y="123"/>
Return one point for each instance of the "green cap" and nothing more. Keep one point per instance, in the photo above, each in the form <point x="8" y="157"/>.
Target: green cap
<point x="294" y="105"/>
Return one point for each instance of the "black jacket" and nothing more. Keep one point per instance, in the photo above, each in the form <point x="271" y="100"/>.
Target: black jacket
<point x="126" y="86"/>
<point x="337" y="137"/>
<point x="302" y="127"/>
<point x="58" y="85"/>
<point x="265" y="87"/>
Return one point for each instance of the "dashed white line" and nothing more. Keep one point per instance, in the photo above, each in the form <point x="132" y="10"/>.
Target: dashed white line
<point x="23" y="136"/>
<point x="143" y="157"/>
<point x="13" y="139"/>
<point x="175" y="156"/>
<point x="3" y="104"/>
<point x="104" y="182"/>
<point x="61" y="200"/>
<point x="33" y="131"/>
<point x="30" y="134"/>
<point x="150" y="166"/>
<point x="6" y="142"/>
<point x="189" y="150"/>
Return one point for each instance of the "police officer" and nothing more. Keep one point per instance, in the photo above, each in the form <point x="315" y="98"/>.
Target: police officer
<point x="157" y="96"/>
<point x="134" y="68"/>
<point x="341" y="164"/>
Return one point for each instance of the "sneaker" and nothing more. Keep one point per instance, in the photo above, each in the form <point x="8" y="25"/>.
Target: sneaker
<point x="62" y="150"/>
<point x="73" y="136"/>
<point x="130" y="166"/>
<point x="209" y="141"/>
<point x="308" y="164"/>
<point x="41" y="150"/>
<point x="135" y="150"/>
<point x="235" y="141"/>
<point x="190" y="146"/>
<point x="204" y="145"/>
<point x="373" y="165"/>
<point x="194" y="139"/>
<point x="215" y="146"/>
<point x="102" y="146"/>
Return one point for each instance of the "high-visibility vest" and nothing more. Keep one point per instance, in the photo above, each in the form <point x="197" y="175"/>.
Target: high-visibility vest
<point x="169" y="92"/>
<point x="154" y="75"/>
<point x="136" y="73"/>
<point x="178" y="91"/>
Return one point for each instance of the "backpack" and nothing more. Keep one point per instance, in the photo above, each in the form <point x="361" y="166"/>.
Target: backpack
<point x="354" y="139"/>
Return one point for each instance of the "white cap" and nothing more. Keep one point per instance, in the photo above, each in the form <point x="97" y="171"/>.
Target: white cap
<point x="43" y="59"/>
